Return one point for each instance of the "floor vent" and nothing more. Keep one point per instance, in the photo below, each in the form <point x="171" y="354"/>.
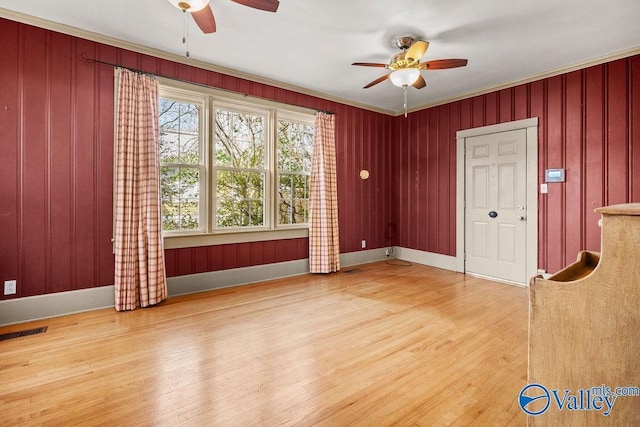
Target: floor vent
<point x="24" y="333"/>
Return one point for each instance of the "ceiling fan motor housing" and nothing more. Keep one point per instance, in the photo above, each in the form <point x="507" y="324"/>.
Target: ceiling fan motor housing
<point x="405" y="42"/>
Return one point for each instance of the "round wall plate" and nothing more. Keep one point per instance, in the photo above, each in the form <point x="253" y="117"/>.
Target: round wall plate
<point x="364" y="174"/>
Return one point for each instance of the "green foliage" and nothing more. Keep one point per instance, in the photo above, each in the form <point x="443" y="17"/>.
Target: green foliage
<point x="239" y="198"/>
<point x="240" y="144"/>
<point x="180" y="198"/>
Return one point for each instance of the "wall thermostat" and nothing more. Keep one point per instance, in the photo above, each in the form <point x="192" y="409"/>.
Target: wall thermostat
<point x="554" y="175"/>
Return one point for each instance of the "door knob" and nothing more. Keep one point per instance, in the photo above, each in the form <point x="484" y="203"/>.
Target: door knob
<point x="493" y="214"/>
<point x="521" y="218"/>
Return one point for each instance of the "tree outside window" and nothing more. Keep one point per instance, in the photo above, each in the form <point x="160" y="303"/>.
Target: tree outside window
<point x="240" y="159"/>
<point x="295" y="143"/>
<point x="180" y="160"/>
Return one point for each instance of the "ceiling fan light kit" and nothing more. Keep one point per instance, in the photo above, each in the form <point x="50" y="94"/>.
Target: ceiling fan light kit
<point x="191" y="5"/>
<point x="404" y="76"/>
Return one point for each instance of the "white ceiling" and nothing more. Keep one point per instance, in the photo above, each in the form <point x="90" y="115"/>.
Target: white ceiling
<point x="310" y="44"/>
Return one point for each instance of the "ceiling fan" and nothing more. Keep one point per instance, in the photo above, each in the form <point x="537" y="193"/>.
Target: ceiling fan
<point x="203" y="15"/>
<point x="406" y="66"/>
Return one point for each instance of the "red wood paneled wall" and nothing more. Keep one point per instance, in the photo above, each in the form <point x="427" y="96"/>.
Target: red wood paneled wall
<point x="56" y="136"/>
<point x="589" y="124"/>
<point x="56" y="140"/>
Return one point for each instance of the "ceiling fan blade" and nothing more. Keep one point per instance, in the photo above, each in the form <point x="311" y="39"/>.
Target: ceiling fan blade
<point x="266" y="5"/>
<point x="205" y="20"/>
<point x="417" y="50"/>
<point x="441" y="64"/>
<point x="370" y="64"/>
<point x="420" y="83"/>
<point x="376" y="81"/>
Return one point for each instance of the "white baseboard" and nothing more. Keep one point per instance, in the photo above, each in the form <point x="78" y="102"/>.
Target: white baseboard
<point x="431" y="259"/>
<point x="19" y="310"/>
<point x="192" y="283"/>
<point x="362" y="257"/>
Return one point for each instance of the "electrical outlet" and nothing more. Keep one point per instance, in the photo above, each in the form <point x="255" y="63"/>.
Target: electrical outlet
<point x="364" y="244"/>
<point x="9" y="287"/>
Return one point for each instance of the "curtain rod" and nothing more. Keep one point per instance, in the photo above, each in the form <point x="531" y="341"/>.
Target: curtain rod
<point x="86" y="58"/>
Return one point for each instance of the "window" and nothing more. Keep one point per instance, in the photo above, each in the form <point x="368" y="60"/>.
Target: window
<point x="241" y="170"/>
<point x="295" y="142"/>
<point x="229" y="165"/>
<point x="182" y="166"/>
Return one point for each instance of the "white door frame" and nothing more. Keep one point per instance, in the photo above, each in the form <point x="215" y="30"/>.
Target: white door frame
<point x="531" y="126"/>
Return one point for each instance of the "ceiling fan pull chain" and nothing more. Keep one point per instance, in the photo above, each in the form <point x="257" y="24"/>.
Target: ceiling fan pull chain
<point x="185" y="31"/>
<point x="405" y="100"/>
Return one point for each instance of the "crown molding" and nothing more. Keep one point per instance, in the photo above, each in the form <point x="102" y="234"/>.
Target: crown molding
<point x="157" y="53"/>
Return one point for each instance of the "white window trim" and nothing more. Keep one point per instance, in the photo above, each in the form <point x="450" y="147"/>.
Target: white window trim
<point x="214" y="98"/>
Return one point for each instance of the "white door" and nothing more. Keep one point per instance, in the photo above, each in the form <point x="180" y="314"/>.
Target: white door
<point x="495" y="205"/>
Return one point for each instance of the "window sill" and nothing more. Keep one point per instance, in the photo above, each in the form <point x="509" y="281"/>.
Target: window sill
<point x="177" y="241"/>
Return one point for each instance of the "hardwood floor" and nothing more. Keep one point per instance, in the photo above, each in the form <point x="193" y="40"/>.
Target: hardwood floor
<point x="382" y="345"/>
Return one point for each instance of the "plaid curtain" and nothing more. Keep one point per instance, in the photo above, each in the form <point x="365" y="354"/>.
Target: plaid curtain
<point x="140" y="278"/>
<point x="324" y="245"/>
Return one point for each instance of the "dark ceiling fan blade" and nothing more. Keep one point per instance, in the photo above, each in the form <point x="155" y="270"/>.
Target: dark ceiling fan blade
<point x="266" y="5"/>
<point x="370" y="64"/>
<point x="205" y="20"/>
<point x="417" y="50"/>
<point x="420" y="83"/>
<point x="441" y="64"/>
<point x="376" y="81"/>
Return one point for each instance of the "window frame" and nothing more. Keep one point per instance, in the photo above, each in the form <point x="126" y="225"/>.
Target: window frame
<point x="213" y="99"/>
